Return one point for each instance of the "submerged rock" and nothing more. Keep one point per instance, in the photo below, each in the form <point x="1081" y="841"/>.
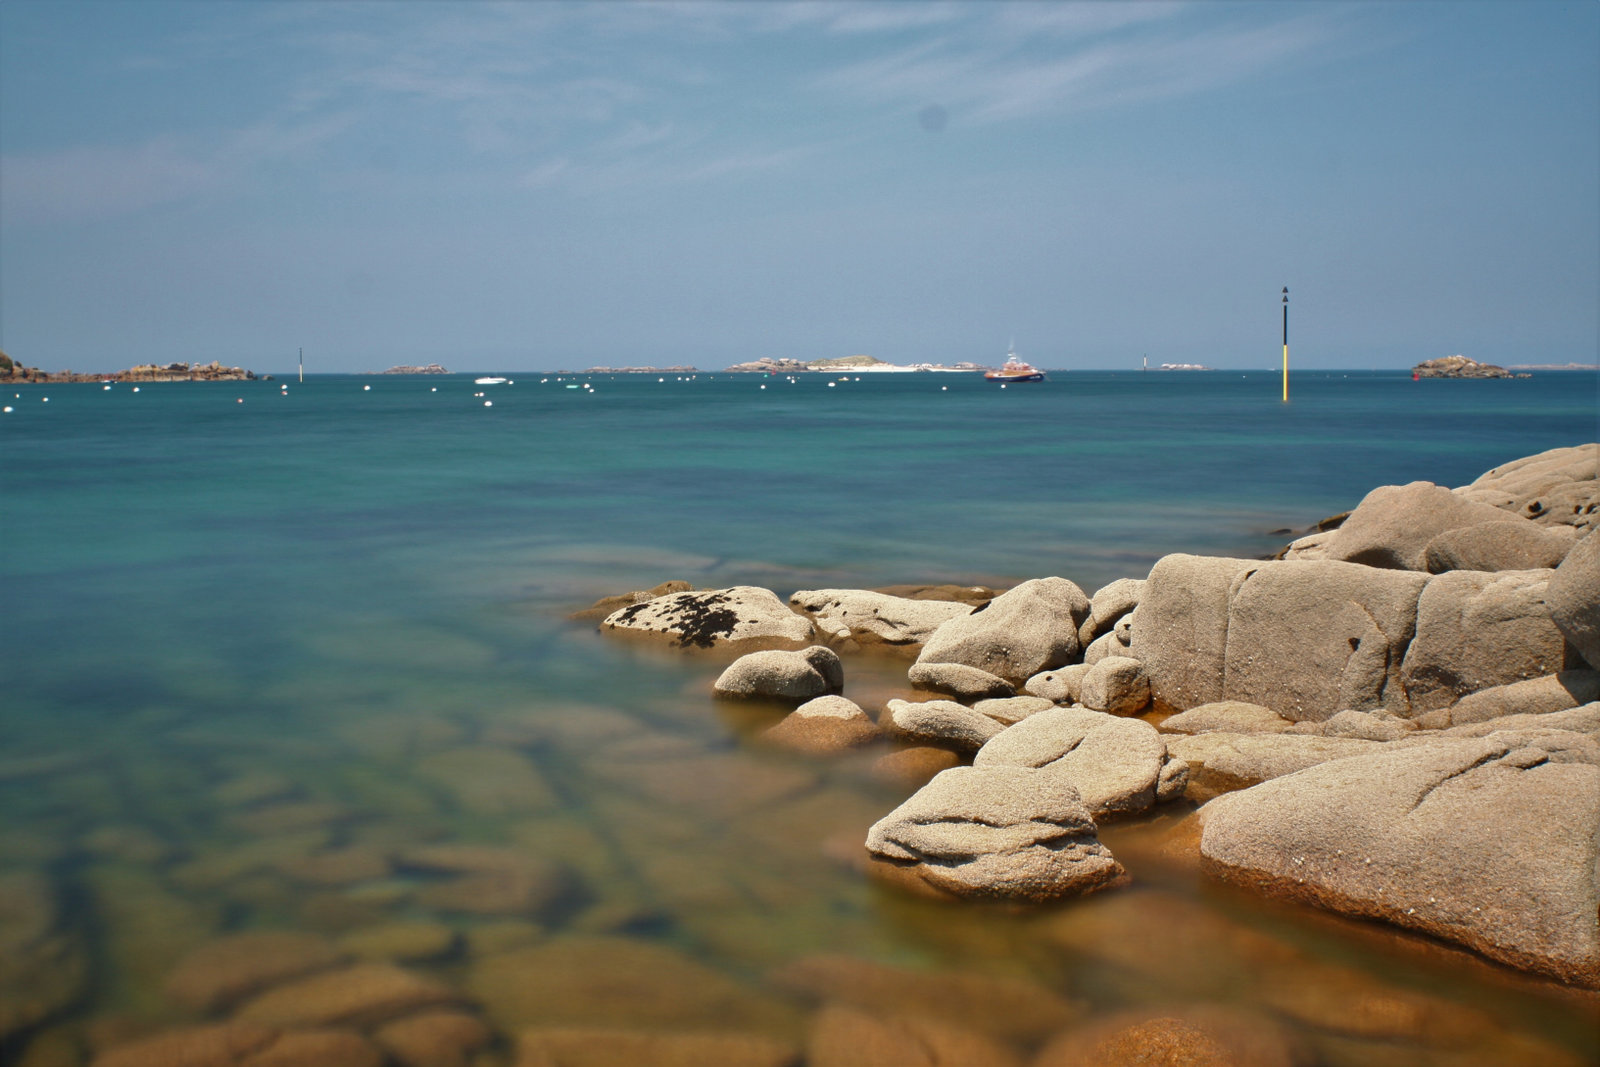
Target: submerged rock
<point x="43" y="968"/>
<point x="742" y="617"/>
<point x="824" y="726"/>
<point x="1489" y="842"/>
<point x="845" y="1037"/>
<point x="359" y="995"/>
<point x="609" y="605"/>
<point x="600" y="1047"/>
<point x="998" y="832"/>
<point x="224" y="971"/>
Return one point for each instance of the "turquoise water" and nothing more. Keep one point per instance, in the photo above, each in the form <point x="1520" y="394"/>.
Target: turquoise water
<point x="336" y="590"/>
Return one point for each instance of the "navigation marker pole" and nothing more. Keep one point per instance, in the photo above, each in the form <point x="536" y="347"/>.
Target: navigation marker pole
<point x="1286" y="344"/>
<point x="303" y="363"/>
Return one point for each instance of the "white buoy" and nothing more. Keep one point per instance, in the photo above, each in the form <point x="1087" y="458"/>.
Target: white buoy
<point x="8" y="409"/>
<point x="944" y="388"/>
<point x="47" y="400"/>
<point x="832" y="384"/>
<point x="366" y="388"/>
<point x="105" y="388"/>
<point x="763" y="387"/>
<point x="136" y="388"/>
<point x="1002" y="385"/>
<point x="488" y="403"/>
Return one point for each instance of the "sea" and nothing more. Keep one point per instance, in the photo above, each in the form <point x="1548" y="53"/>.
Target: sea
<point x="297" y="656"/>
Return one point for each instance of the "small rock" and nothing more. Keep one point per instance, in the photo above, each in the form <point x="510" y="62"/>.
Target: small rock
<point x="1061" y="686"/>
<point x="1009" y="711"/>
<point x="1005" y="833"/>
<point x="777" y="674"/>
<point x="1117" y="765"/>
<point x="942" y="722"/>
<point x="1109" y="604"/>
<point x="958" y="680"/>
<point x="1029" y="629"/>
<point x="1228" y="716"/>
<point x="1117" y="685"/>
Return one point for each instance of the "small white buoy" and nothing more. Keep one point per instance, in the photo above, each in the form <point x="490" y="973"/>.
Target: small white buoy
<point x="435" y="389"/>
<point x="832" y="384"/>
<point x="366" y="388"/>
<point x="488" y="403"/>
<point x="1002" y="385"/>
<point x="240" y="400"/>
<point x="763" y="387"/>
<point x="105" y="388"/>
<point x="944" y="388"/>
<point x="136" y="388"/>
<point x="8" y="409"/>
<point x="660" y="379"/>
<point x="46" y="400"/>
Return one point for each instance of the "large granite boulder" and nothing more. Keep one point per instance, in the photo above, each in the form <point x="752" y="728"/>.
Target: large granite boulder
<point x="1573" y="597"/>
<point x="997" y="832"/>
<point x="1116" y="684"/>
<point x="1393" y="524"/>
<point x="1477" y="629"/>
<point x="1490" y="842"/>
<point x="1532" y="696"/>
<point x="742" y="617"/>
<point x="1223" y="762"/>
<point x="1308" y="638"/>
<point x="1510" y="545"/>
<point x="1025" y="630"/>
<point x="1117" y="765"/>
<point x="1554" y="487"/>
<point x="870" y="618"/>
<point x="1180" y="628"/>
<point x="958" y="680"/>
<point x="782" y="675"/>
<point x="942" y="722"/>
<point x="1110" y="603"/>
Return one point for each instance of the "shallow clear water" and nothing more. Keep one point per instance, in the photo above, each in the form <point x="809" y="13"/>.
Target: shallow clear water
<point x="258" y="653"/>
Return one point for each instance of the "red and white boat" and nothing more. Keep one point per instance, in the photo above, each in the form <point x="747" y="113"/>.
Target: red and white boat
<point x="1015" y="370"/>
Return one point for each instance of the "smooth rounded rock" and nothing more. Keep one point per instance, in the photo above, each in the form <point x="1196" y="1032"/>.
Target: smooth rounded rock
<point x="958" y="680"/>
<point x="1117" y="765"/>
<point x="743" y="617"/>
<point x="1028" y="629"/>
<point x="824" y="726"/>
<point x="783" y="675"/>
<point x="1116" y="684"/>
<point x="1573" y="597"/>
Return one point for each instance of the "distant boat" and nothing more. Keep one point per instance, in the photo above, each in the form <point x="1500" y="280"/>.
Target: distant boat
<point x="488" y="381"/>
<point x="1015" y="370"/>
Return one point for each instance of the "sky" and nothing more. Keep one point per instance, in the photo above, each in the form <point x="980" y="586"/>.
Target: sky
<point x="543" y="185"/>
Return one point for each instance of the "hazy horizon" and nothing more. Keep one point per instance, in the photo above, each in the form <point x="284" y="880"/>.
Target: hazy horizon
<point x="564" y="185"/>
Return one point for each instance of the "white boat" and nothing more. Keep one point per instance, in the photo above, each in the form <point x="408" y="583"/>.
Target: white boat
<point x="488" y="381"/>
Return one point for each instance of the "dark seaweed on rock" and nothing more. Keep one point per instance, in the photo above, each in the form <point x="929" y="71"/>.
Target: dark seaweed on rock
<point x="695" y="617"/>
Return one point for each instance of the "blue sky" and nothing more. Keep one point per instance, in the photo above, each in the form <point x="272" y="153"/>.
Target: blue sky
<point x="534" y="185"/>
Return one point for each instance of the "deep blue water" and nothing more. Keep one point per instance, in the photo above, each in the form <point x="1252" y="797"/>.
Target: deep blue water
<point x="273" y="566"/>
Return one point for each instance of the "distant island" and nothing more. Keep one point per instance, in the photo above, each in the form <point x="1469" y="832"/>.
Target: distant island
<point x="1460" y="367"/>
<point x="12" y="371"/>
<point x="633" y="370"/>
<point x="430" y="368"/>
<point x="869" y="364"/>
<point x="1552" y="366"/>
<point x="1184" y="366"/>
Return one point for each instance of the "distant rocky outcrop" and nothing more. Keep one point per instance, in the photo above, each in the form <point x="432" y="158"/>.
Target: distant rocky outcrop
<point x="635" y="370"/>
<point x="1460" y="367"/>
<point x="768" y="365"/>
<point x="428" y="368"/>
<point x="12" y="371"/>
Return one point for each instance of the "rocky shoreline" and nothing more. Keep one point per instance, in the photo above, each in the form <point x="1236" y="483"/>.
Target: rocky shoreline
<point x="1397" y="720"/>
<point x="11" y="371"/>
